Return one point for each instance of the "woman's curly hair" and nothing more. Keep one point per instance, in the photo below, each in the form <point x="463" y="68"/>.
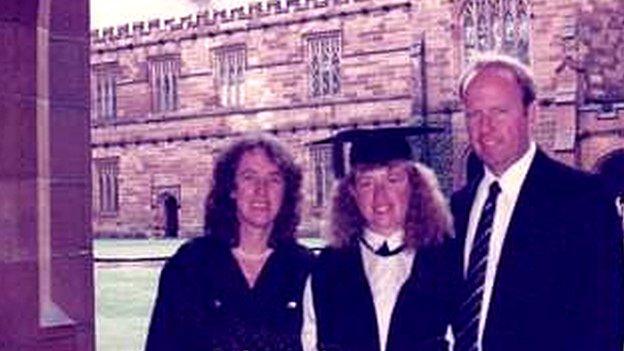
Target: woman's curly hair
<point x="220" y="218"/>
<point x="428" y="220"/>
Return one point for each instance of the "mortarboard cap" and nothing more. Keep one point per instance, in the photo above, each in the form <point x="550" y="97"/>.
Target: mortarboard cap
<point x="372" y="146"/>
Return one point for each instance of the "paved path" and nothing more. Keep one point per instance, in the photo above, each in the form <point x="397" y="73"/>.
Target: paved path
<point x="129" y="250"/>
<point x="134" y="249"/>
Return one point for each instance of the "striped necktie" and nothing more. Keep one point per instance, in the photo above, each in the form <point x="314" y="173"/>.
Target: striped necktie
<point x="467" y="322"/>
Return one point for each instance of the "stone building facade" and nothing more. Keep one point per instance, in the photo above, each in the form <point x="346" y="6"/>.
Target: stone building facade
<point x="167" y="95"/>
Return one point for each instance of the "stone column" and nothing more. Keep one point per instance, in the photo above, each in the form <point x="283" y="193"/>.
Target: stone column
<point x="46" y="276"/>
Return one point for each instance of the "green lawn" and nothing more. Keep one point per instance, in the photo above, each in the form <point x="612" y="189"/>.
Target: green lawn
<point x="124" y="298"/>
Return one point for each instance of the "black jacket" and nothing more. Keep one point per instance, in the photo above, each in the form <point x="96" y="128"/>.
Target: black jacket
<point x="559" y="282"/>
<point x="204" y="302"/>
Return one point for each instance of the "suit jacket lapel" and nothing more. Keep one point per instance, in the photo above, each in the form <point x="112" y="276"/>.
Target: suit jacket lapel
<point x="462" y="205"/>
<point x="520" y="228"/>
<point x="521" y="222"/>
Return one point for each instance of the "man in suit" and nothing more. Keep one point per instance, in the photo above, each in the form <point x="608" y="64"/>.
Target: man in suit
<point x="539" y="242"/>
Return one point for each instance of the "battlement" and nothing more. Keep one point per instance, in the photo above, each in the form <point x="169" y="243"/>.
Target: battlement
<point x="214" y="18"/>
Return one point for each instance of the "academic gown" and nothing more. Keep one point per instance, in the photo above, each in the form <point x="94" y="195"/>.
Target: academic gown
<point x="205" y="303"/>
<point x="344" y="306"/>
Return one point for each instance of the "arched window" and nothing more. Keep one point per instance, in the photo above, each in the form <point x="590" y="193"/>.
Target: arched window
<point x="495" y="25"/>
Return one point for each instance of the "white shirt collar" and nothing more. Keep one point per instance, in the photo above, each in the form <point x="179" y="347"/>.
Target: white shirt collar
<point x="375" y="240"/>
<point x="511" y="180"/>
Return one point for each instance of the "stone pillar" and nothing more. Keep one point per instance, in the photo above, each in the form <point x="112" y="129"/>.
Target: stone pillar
<point x="558" y="125"/>
<point x="46" y="276"/>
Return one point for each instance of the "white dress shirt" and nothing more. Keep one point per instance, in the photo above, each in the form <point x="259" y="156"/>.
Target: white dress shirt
<point x="385" y="275"/>
<point x="510" y="183"/>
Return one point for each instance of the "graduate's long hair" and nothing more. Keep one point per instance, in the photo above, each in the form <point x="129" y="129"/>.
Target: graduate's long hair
<point x="220" y="219"/>
<point x="428" y="220"/>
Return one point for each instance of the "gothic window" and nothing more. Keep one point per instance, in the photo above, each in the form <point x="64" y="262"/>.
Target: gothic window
<point x="163" y="75"/>
<point x="483" y="33"/>
<point x="324" y="64"/>
<point x="470" y="34"/>
<point x="105" y="92"/>
<point x="107" y="172"/>
<point x="321" y="163"/>
<point x="523" y="31"/>
<point x="230" y="69"/>
<point x="495" y="25"/>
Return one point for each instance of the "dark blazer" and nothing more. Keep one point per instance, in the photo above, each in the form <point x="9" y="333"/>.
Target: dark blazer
<point x="345" y="311"/>
<point x="559" y="283"/>
<point x="205" y="304"/>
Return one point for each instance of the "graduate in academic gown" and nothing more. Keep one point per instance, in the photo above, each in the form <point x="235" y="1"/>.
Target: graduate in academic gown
<point x="240" y="286"/>
<point x="386" y="283"/>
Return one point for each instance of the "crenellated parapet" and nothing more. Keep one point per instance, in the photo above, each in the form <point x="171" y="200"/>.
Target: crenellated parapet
<point x="254" y="15"/>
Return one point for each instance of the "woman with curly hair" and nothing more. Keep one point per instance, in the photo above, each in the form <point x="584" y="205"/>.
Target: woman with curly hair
<point x="240" y="286"/>
<point x="386" y="283"/>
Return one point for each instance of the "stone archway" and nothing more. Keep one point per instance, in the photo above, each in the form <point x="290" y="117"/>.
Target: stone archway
<point x="170" y="208"/>
<point x="46" y="261"/>
<point x="166" y="204"/>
